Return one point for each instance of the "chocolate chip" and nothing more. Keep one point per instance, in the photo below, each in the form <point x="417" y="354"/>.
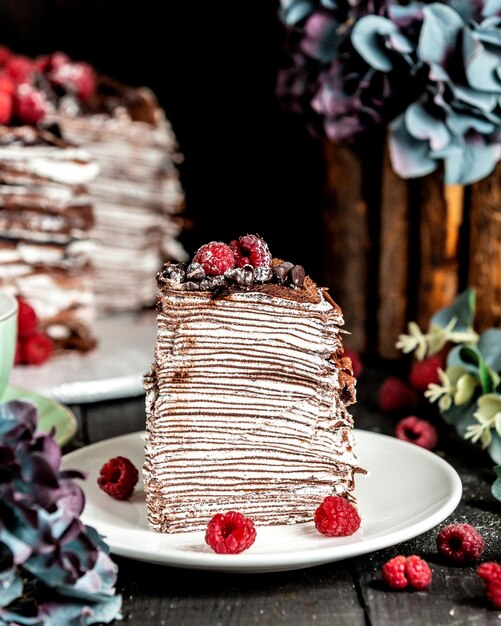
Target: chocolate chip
<point x="263" y="274"/>
<point x="190" y="286"/>
<point x="281" y="271"/>
<point x="166" y="270"/>
<point x="205" y="285"/>
<point x="242" y="276"/>
<point x="195" y="271"/>
<point x="177" y="275"/>
<point x="297" y="275"/>
<point x="232" y="275"/>
<point x="245" y="276"/>
<point x="217" y="282"/>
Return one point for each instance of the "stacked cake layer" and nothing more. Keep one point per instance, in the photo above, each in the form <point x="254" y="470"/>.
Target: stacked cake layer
<point x="45" y="217"/>
<point x="246" y="407"/>
<point x="136" y="196"/>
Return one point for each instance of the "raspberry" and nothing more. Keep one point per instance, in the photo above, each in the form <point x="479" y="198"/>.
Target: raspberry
<point x="31" y="105"/>
<point x="418" y="572"/>
<point x="251" y="250"/>
<point x="356" y="361"/>
<point x="460" y="544"/>
<point x="19" y="69"/>
<point x="395" y="395"/>
<point x="27" y="320"/>
<point x="35" y="349"/>
<point x="5" y="55"/>
<point x="230" y="533"/>
<point x="49" y="62"/>
<point x="6" y="107"/>
<point x="79" y="78"/>
<point x="401" y="572"/>
<point x="336" y="517"/>
<point x="425" y="372"/>
<point x="418" y="431"/>
<point x="118" y="477"/>
<point x="6" y="85"/>
<point x="393" y="572"/>
<point x="490" y="573"/>
<point x="215" y="257"/>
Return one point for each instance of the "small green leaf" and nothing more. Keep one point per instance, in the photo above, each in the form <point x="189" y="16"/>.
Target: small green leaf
<point x="494" y="448"/>
<point x="470" y="359"/>
<point x="496" y="487"/>
<point x="489" y="346"/>
<point x="467" y="357"/>
<point x="484" y="375"/>
<point x="462" y="309"/>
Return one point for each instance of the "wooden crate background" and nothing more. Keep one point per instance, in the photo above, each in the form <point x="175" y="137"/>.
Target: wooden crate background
<point x="397" y="250"/>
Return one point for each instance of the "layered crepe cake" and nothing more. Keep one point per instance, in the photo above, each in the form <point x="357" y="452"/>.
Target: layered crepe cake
<point x="247" y="399"/>
<point x="45" y="217"/>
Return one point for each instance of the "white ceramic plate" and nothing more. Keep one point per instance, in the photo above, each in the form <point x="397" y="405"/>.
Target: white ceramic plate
<point x="409" y="491"/>
<point x="114" y="369"/>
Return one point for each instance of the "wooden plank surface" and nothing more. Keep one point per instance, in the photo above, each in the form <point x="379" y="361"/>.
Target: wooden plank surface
<point x="485" y="249"/>
<point x="439" y="224"/>
<point x="345" y="593"/>
<point x="346" y="240"/>
<point x="393" y="261"/>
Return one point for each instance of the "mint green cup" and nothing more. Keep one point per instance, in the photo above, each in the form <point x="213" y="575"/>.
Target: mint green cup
<point x="8" y="337"/>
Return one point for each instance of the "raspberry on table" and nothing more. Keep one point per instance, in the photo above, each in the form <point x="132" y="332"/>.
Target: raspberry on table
<point x="251" y="250"/>
<point x="490" y="573"/>
<point x="395" y="395"/>
<point x="401" y="572"/>
<point x="460" y="544"/>
<point x="35" y="349"/>
<point x="336" y="517"/>
<point x="27" y="320"/>
<point x="417" y="431"/>
<point x="356" y="361"/>
<point x="215" y="257"/>
<point x="425" y="372"/>
<point x="230" y="533"/>
<point x="31" y="105"/>
<point x="118" y="477"/>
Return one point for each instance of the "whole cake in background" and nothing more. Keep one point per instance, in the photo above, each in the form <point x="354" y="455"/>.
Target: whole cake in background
<point x="137" y="194"/>
<point x="247" y="399"/>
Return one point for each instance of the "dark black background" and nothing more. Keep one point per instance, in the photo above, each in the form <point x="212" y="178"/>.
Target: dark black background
<point x="249" y="166"/>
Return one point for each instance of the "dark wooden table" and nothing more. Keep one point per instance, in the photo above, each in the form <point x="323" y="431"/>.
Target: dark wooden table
<point x="342" y="593"/>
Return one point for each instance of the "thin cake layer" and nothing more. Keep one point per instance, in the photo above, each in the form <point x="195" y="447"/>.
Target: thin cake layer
<point x="246" y="407"/>
<point x="45" y="217"/>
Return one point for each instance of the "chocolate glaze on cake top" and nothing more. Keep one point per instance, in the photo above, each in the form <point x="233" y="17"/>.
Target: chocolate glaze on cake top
<point x="277" y="278"/>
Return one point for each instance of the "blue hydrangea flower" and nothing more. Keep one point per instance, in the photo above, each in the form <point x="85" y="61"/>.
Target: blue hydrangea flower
<point x="429" y="70"/>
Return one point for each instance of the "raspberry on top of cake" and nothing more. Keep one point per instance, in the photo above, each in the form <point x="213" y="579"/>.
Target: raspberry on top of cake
<point x="247" y="398"/>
